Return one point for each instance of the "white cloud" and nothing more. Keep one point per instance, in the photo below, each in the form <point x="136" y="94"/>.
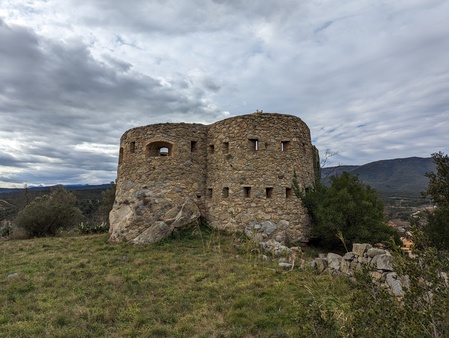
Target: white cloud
<point x="369" y="78"/>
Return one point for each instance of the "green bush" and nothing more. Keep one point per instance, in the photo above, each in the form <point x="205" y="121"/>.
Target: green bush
<point x="107" y="202"/>
<point x="47" y="214"/>
<point x="437" y="229"/>
<point x="347" y="209"/>
<point x="5" y="229"/>
<point x="93" y="228"/>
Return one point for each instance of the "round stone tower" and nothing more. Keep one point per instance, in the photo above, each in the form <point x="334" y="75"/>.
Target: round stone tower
<point x="237" y="173"/>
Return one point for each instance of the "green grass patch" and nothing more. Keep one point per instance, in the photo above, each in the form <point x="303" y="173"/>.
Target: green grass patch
<point x="197" y="284"/>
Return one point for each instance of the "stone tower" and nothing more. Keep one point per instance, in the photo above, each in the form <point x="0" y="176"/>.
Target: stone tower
<point x="236" y="173"/>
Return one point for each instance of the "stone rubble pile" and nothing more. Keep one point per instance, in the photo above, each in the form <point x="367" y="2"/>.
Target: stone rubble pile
<point x="270" y="236"/>
<point x="379" y="261"/>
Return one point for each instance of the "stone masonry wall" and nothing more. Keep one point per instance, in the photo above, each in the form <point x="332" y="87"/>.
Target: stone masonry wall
<point x="148" y="184"/>
<point x="250" y="172"/>
<point x="237" y="173"/>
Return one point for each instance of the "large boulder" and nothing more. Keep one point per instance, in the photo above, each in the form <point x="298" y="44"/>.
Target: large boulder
<point x="143" y="216"/>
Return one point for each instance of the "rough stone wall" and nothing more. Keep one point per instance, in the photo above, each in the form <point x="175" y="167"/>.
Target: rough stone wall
<point x="253" y="163"/>
<point x="150" y="185"/>
<point x="237" y="171"/>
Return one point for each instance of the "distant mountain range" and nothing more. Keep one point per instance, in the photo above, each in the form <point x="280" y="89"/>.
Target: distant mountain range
<point x="397" y="177"/>
<point x="71" y="187"/>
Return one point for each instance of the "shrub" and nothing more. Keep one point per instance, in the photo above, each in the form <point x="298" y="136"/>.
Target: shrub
<point x="47" y="214"/>
<point x="107" y="202"/>
<point x="423" y="310"/>
<point x="437" y="229"/>
<point x="5" y="229"/>
<point x="93" y="228"/>
<point x="347" y="209"/>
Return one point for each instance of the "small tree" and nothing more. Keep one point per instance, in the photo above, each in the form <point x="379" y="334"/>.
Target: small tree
<point x="347" y="209"/>
<point x="107" y="201"/>
<point x="47" y="214"/>
<point x="437" y="229"/>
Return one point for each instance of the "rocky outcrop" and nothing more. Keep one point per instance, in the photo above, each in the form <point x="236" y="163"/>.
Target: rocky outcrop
<point x="143" y="216"/>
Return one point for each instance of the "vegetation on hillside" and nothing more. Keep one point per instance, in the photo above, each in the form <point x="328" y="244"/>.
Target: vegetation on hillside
<point x="197" y="284"/>
<point x="202" y="283"/>
<point x="50" y="213"/>
<point x="45" y="212"/>
<point x="437" y="228"/>
<point x="347" y="209"/>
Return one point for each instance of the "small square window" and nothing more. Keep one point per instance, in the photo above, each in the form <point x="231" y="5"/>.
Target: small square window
<point x="225" y="192"/>
<point x="269" y="192"/>
<point x="226" y="147"/>
<point x="209" y="193"/>
<point x="288" y="192"/>
<point x="285" y="145"/>
<point x="254" y="144"/>
<point x="211" y="149"/>
<point x="132" y="147"/>
<point x="247" y="192"/>
<point x="193" y="146"/>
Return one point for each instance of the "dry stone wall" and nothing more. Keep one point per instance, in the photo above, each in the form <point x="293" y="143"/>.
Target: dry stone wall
<point x="236" y="173"/>
<point x="379" y="261"/>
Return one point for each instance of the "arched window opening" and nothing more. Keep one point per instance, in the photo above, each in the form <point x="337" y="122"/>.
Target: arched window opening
<point x="159" y="148"/>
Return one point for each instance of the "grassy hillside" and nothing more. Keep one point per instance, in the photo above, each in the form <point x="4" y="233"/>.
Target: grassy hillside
<point x="203" y="284"/>
<point x="198" y="285"/>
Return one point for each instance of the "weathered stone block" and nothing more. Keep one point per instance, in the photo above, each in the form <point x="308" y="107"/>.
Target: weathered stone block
<point x="360" y="249"/>
<point x="384" y="262"/>
<point x="321" y="264"/>
<point x="375" y="251"/>
<point x="334" y="261"/>
<point x="395" y="284"/>
<point x="349" y="256"/>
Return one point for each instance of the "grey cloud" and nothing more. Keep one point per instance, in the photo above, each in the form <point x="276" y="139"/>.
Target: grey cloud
<point x="370" y="79"/>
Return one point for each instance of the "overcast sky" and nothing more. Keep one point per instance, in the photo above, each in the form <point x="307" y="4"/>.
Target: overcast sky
<point x="370" y="78"/>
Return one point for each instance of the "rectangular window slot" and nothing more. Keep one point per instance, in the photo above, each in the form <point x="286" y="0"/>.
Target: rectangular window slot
<point x="132" y="147"/>
<point x="269" y="192"/>
<point x="226" y="147"/>
<point x="211" y="149"/>
<point x="247" y="192"/>
<point x="120" y="156"/>
<point x="225" y="192"/>
<point x="288" y="192"/>
<point x="254" y="144"/>
<point x="285" y="145"/>
<point x="209" y="193"/>
<point x="193" y="146"/>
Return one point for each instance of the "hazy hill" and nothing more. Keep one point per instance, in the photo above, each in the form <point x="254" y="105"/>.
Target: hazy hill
<point x="402" y="176"/>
